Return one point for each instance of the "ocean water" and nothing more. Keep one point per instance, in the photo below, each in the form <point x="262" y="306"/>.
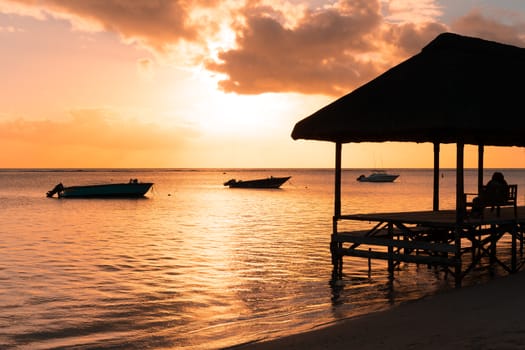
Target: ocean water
<point x="196" y="265"/>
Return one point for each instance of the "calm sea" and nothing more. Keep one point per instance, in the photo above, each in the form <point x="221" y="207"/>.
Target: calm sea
<point x="195" y="265"/>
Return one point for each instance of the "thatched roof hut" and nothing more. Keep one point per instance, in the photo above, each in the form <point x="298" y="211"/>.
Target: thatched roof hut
<point x="458" y="89"/>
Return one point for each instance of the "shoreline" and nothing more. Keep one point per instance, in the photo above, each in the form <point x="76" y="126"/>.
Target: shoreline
<point x="483" y="316"/>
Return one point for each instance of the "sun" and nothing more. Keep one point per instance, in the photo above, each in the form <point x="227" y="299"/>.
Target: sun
<point x="229" y="113"/>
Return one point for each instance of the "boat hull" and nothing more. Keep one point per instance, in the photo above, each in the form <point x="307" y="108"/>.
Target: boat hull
<point x="270" y="182"/>
<point x="118" y="190"/>
<point x="378" y="177"/>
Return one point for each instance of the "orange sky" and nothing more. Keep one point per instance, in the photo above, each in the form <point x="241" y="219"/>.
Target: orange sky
<point x="185" y="84"/>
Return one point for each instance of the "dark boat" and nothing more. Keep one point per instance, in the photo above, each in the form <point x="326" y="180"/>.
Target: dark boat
<point x="378" y="176"/>
<point x="131" y="189"/>
<point x="269" y="182"/>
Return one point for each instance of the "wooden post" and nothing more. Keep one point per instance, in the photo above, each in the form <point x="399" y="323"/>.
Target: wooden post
<point x="460" y="210"/>
<point x="390" y="253"/>
<point x="521" y="234"/>
<point x="369" y="263"/>
<point x="460" y="186"/>
<point x="337" y="189"/>
<point x="337" y="259"/>
<point x="493" y="243"/>
<point x="435" y="205"/>
<point x="514" y="246"/>
<point x="480" y="167"/>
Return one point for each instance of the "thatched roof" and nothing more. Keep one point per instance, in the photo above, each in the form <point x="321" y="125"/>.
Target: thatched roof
<point x="457" y="89"/>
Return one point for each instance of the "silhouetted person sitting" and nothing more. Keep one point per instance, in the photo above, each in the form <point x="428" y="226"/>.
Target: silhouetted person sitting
<point x="495" y="192"/>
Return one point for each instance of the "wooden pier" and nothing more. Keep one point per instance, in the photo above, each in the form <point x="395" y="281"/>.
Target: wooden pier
<point x="433" y="238"/>
<point x="450" y="103"/>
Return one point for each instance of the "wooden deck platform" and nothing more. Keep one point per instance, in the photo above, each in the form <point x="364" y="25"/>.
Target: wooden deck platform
<point x="432" y="238"/>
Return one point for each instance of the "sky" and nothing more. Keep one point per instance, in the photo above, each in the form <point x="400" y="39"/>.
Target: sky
<point x="215" y="84"/>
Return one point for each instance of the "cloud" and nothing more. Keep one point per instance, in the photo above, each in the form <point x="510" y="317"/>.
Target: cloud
<point x="157" y="24"/>
<point x="98" y="129"/>
<point x="260" y="46"/>
<point x="329" y="51"/>
<point x="477" y="24"/>
<point x="94" y="138"/>
<point x="146" y="68"/>
<point x="322" y="53"/>
<point x="10" y="29"/>
<point x="411" y="11"/>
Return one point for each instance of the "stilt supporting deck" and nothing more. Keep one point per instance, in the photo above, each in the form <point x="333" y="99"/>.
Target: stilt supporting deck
<point x="431" y="238"/>
<point x="457" y="256"/>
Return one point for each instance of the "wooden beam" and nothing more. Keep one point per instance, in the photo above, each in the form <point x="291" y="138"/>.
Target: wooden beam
<point x="399" y="243"/>
<point x="393" y="257"/>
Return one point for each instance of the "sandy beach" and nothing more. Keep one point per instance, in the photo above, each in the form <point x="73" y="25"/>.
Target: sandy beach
<point x="487" y="316"/>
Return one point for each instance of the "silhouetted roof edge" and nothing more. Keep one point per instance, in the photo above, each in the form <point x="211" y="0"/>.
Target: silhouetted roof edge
<point x="457" y="89"/>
